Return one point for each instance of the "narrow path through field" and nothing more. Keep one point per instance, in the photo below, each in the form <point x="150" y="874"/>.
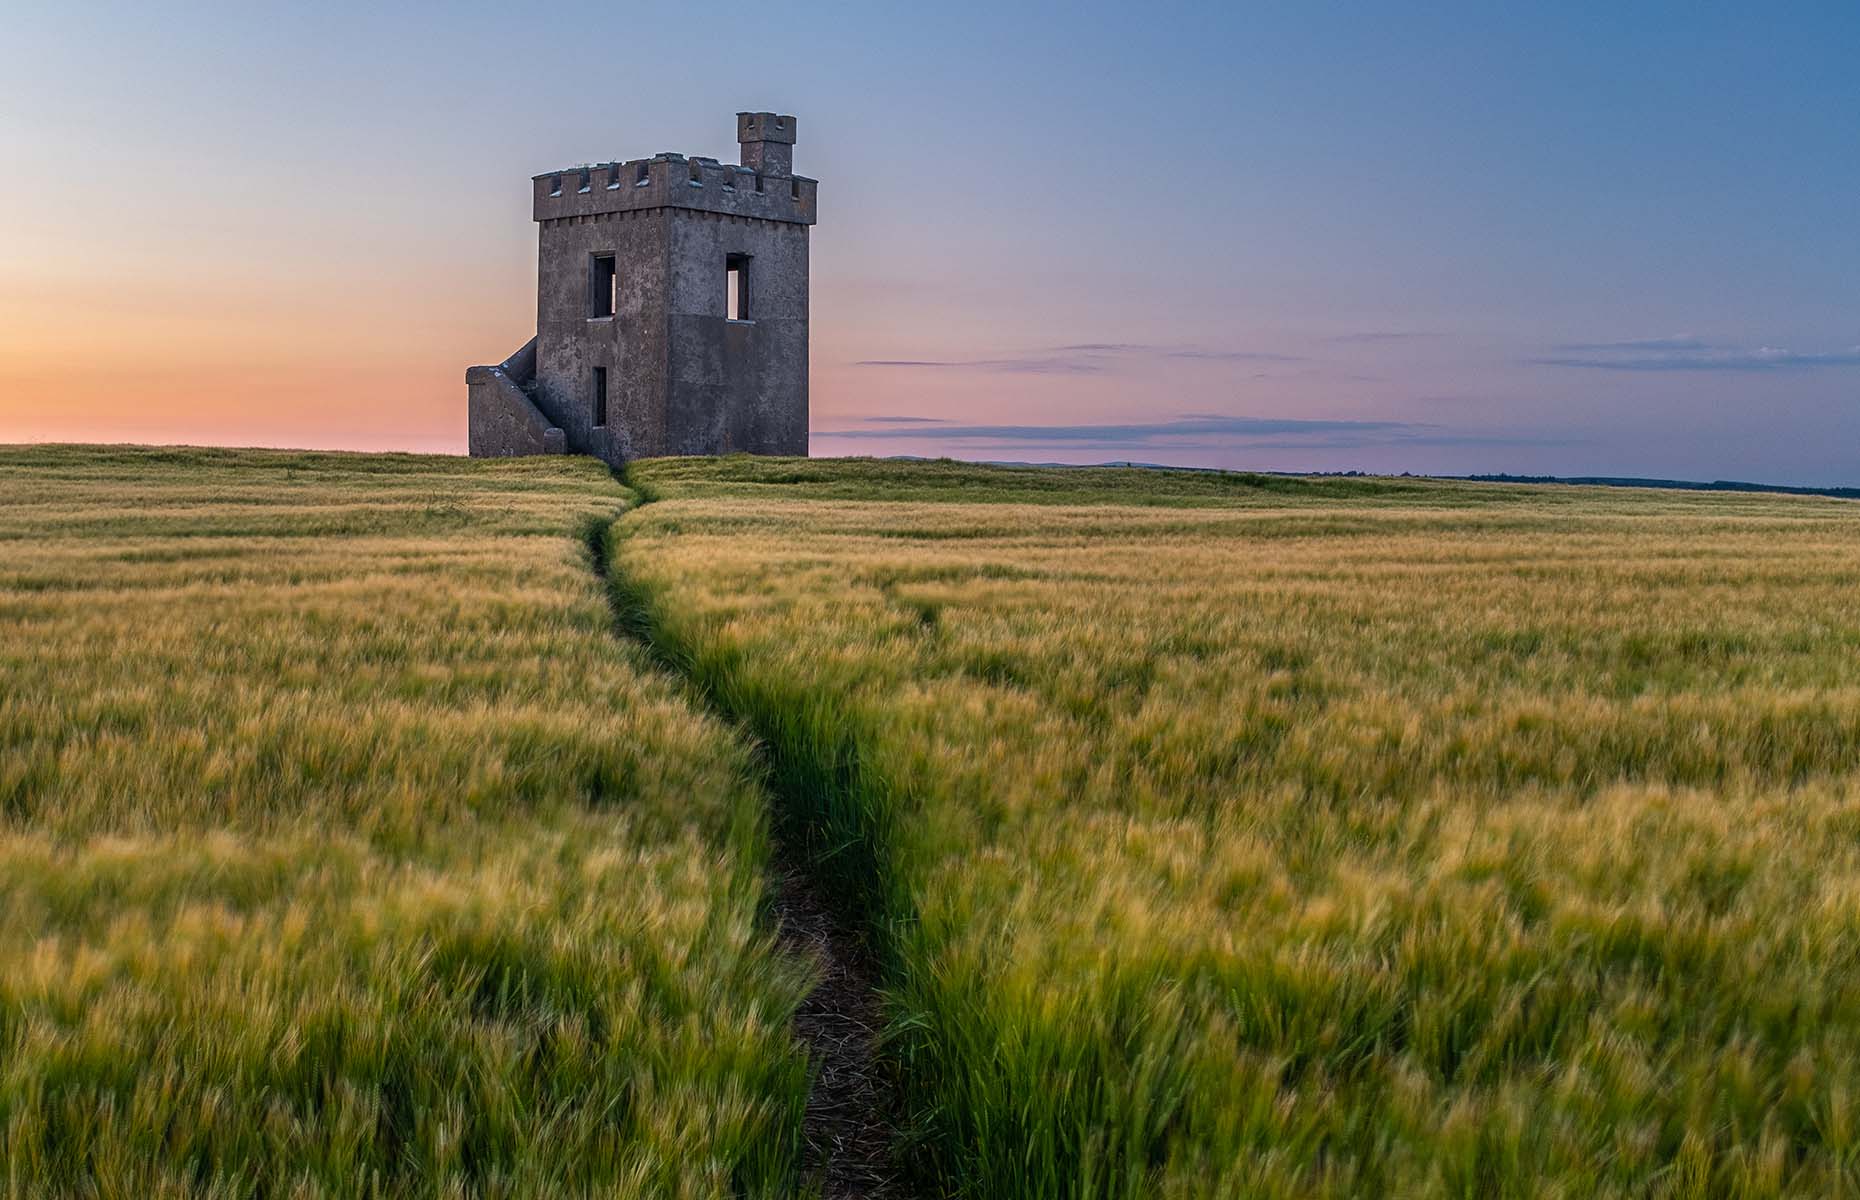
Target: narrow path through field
<point x="850" y="1130"/>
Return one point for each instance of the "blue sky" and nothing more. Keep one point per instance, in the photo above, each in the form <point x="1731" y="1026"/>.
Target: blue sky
<point x="1573" y="238"/>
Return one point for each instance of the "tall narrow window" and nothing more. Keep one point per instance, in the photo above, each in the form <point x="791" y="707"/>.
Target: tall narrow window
<point x="600" y="396"/>
<point x="736" y="287"/>
<point x="603" y="286"/>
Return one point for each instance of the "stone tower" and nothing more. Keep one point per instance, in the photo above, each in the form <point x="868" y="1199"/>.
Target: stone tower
<point x="671" y="310"/>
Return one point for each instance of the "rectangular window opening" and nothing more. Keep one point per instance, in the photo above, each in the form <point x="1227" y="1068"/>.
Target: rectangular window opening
<point x="603" y="286"/>
<point x="600" y="396"/>
<point x="736" y="287"/>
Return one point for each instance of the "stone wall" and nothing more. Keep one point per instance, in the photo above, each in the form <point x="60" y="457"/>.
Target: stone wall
<point x="502" y="422"/>
<point x="737" y="385"/>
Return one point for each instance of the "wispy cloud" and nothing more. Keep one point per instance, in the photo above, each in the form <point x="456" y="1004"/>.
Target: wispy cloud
<point x="1226" y="355"/>
<point x="908" y="420"/>
<point x="1044" y="365"/>
<point x="1677" y="341"/>
<point x="1686" y="353"/>
<point x="1356" y="442"/>
<point x="1080" y="358"/>
<point x="1197" y="430"/>
<point x="1130" y="433"/>
<point x="1372" y="336"/>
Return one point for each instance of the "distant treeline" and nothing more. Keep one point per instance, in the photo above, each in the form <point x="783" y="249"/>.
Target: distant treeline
<point x="1690" y="485"/>
<point x="1716" y="485"/>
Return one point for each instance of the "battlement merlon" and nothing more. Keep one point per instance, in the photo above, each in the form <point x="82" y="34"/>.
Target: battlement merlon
<point x="674" y="181"/>
<point x="767" y="140"/>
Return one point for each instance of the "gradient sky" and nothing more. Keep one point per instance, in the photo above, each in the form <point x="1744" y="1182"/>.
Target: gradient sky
<point x="1568" y="238"/>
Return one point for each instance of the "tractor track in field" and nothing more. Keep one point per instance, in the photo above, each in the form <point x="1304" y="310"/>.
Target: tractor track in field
<point x="850" y="1129"/>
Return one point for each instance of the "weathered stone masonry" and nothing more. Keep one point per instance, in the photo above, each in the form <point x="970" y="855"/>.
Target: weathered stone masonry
<point x="635" y="354"/>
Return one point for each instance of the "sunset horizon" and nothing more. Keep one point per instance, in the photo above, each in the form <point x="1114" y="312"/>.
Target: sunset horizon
<point x="1457" y="243"/>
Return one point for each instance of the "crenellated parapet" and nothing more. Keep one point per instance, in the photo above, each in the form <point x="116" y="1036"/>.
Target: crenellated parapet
<point x="674" y="181"/>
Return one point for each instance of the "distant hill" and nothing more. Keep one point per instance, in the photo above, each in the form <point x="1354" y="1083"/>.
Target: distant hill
<point x="1690" y="485"/>
<point x="1716" y="485"/>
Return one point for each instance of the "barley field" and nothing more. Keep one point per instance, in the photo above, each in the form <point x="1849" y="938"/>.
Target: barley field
<point x="1253" y="836"/>
<point x="1215" y="835"/>
<point x="346" y="851"/>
